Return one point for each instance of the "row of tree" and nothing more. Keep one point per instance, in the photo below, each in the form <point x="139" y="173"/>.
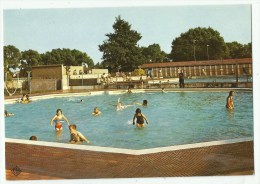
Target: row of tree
<point x="122" y="52"/>
<point x="121" y="49"/>
<point x="23" y="61"/>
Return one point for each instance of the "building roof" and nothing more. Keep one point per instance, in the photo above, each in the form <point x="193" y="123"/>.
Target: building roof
<point x="44" y="66"/>
<point x="197" y="63"/>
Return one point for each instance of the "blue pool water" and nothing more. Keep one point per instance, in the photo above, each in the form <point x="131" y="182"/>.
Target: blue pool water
<point x="175" y="118"/>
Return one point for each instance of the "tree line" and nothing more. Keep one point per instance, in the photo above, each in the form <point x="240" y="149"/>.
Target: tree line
<point x="122" y="52"/>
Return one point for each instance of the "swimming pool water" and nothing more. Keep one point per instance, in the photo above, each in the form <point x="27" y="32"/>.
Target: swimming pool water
<point x="175" y="118"/>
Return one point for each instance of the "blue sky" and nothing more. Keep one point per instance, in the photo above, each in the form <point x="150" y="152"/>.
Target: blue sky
<point x="85" y="28"/>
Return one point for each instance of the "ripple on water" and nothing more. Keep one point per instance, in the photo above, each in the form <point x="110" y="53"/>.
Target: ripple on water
<point x="175" y="118"/>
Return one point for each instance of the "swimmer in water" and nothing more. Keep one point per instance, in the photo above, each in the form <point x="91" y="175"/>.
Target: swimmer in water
<point x="96" y="112"/>
<point x="139" y="118"/>
<point x="144" y="104"/>
<point x="33" y="138"/>
<point x="58" y="118"/>
<point x="8" y="114"/>
<point x="163" y="91"/>
<point x="76" y="136"/>
<point x="120" y="106"/>
<point x="230" y="100"/>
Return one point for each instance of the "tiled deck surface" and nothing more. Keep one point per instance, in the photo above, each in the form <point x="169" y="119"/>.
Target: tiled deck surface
<point x="41" y="162"/>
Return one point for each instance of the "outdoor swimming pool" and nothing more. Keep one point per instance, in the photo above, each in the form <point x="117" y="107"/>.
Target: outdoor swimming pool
<point x="175" y="118"/>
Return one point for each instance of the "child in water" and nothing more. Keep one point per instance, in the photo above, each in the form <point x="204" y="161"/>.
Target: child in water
<point x="139" y="118"/>
<point x="76" y="136"/>
<point x="96" y="112"/>
<point x="230" y="101"/>
<point x="144" y="104"/>
<point x="58" y="118"/>
<point x="120" y="106"/>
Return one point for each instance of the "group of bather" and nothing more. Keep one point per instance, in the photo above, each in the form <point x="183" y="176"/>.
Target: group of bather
<point x="77" y="137"/>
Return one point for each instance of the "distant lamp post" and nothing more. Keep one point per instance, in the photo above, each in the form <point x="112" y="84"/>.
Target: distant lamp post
<point x="208" y="51"/>
<point x="194" y="50"/>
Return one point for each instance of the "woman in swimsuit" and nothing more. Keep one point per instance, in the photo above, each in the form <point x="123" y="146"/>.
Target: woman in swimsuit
<point x="139" y="118"/>
<point x="58" y="119"/>
<point x="230" y="102"/>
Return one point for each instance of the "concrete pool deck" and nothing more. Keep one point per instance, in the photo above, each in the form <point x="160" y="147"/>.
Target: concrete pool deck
<point x="45" y="160"/>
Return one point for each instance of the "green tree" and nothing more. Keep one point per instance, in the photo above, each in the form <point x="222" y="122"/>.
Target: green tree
<point x="120" y="50"/>
<point x="199" y="44"/>
<point x="66" y="57"/>
<point x="153" y="53"/>
<point x="29" y="58"/>
<point x="238" y="50"/>
<point x="12" y="57"/>
<point x="82" y="57"/>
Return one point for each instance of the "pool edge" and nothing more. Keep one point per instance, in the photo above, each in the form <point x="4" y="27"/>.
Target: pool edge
<point x="129" y="151"/>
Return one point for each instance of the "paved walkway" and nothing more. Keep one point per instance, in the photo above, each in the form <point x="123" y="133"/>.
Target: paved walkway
<point x="44" y="162"/>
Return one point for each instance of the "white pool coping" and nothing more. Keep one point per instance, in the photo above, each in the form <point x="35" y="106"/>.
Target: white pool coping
<point x="90" y="93"/>
<point x="128" y="151"/>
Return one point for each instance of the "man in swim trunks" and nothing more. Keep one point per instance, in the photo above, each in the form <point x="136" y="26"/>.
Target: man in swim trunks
<point x="139" y="118"/>
<point x="58" y="119"/>
<point x="230" y="101"/>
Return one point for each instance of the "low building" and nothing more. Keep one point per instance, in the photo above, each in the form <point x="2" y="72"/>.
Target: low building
<point x="54" y="77"/>
<point x="200" y="68"/>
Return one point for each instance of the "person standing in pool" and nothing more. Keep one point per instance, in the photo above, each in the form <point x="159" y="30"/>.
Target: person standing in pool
<point x="230" y="101"/>
<point x="139" y="118"/>
<point x="58" y="119"/>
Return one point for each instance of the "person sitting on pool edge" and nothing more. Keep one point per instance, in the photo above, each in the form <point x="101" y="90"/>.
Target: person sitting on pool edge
<point x="230" y="101"/>
<point x="8" y="114"/>
<point x="76" y="136"/>
<point x="25" y="99"/>
<point x="96" y="112"/>
<point x="163" y="91"/>
<point x="139" y="118"/>
<point x="28" y="98"/>
<point x="129" y="90"/>
<point x="58" y="119"/>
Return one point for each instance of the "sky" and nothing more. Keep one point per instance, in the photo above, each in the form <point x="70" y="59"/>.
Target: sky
<point x="85" y="28"/>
